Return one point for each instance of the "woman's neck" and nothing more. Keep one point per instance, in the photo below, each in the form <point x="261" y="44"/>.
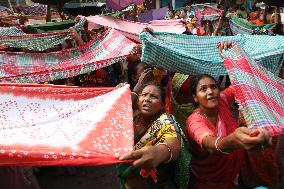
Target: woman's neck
<point x="210" y="113"/>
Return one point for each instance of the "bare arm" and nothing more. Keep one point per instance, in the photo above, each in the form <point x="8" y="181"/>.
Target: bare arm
<point x="150" y="157"/>
<point x="241" y="138"/>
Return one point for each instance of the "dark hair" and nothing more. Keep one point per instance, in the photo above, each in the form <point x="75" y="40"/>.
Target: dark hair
<point x="162" y="90"/>
<point x="195" y="80"/>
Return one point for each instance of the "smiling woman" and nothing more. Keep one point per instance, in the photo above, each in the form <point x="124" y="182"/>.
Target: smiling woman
<point x="157" y="143"/>
<point x="215" y="140"/>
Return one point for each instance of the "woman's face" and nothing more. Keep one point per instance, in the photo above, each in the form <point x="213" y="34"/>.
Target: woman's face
<point x="150" y="101"/>
<point x="207" y="93"/>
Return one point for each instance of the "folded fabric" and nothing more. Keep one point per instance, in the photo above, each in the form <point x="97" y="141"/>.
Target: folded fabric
<point x="260" y="94"/>
<point x="37" y="42"/>
<point x="199" y="54"/>
<point x="60" y="125"/>
<point x="22" y="67"/>
<point x="132" y="29"/>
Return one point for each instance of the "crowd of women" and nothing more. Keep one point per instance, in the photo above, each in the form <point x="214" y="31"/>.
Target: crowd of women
<point x="188" y="132"/>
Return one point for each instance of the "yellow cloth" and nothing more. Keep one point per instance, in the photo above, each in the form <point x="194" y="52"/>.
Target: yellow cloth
<point x="160" y="129"/>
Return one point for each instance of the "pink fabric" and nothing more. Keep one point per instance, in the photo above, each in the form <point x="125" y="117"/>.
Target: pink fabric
<point x="132" y="29"/>
<point x="60" y="125"/>
<point x="213" y="171"/>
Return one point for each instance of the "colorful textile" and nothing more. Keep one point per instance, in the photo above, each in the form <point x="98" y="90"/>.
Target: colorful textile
<point x="38" y="42"/>
<point x="162" y="128"/>
<point x="153" y="14"/>
<point x="211" y="13"/>
<point x="199" y="54"/>
<point x="21" y="67"/>
<point x="133" y="29"/>
<point x="211" y="171"/>
<point x="35" y="10"/>
<point x="258" y="92"/>
<point x="55" y="125"/>
<point x="242" y="26"/>
<point x="11" y="31"/>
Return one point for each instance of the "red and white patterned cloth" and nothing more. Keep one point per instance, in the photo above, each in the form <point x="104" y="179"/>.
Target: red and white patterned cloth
<point x="61" y="125"/>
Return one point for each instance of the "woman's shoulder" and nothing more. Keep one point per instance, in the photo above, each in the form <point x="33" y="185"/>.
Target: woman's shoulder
<point x="195" y="117"/>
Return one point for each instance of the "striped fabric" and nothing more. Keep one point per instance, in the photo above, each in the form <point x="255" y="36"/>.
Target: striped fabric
<point x="260" y="94"/>
<point x="241" y="26"/>
<point x="37" y="42"/>
<point x="22" y="67"/>
<point x="199" y="54"/>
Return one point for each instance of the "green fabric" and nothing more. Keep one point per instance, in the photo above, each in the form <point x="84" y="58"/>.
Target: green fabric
<point x="180" y="166"/>
<point x="244" y="23"/>
<point x="180" y="111"/>
<point x="192" y="55"/>
<point x="38" y="42"/>
<point x="52" y="26"/>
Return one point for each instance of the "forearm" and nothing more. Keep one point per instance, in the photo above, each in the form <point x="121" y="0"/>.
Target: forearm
<point x="168" y="150"/>
<point x="226" y="144"/>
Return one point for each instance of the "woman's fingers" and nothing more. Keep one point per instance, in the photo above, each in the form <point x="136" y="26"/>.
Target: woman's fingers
<point x="132" y="155"/>
<point x="224" y="46"/>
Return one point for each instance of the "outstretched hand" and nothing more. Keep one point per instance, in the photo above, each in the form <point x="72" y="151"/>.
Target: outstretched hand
<point x="148" y="157"/>
<point x="224" y="46"/>
<point x="251" y="139"/>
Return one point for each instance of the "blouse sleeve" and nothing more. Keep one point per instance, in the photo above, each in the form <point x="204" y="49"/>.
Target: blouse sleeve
<point x="197" y="129"/>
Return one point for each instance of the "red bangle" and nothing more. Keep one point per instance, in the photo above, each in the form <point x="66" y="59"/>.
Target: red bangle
<point x="169" y="149"/>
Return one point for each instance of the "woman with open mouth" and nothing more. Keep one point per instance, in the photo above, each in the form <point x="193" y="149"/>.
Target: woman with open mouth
<point x="215" y="140"/>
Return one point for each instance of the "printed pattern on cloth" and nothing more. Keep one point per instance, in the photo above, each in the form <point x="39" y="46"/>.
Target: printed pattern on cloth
<point x="160" y="129"/>
<point x="241" y="26"/>
<point x="37" y="42"/>
<point x="61" y="125"/>
<point x="21" y="67"/>
<point x="199" y="54"/>
<point x="259" y="93"/>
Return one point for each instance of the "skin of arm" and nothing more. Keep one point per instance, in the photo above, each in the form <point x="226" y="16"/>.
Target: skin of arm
<point x="150" y="157"/>
<point x="242" y="137"/>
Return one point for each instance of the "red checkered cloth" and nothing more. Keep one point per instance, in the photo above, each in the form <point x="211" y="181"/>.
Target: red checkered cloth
<point x="259" y="93"/>
<point x="22" y="67"/>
